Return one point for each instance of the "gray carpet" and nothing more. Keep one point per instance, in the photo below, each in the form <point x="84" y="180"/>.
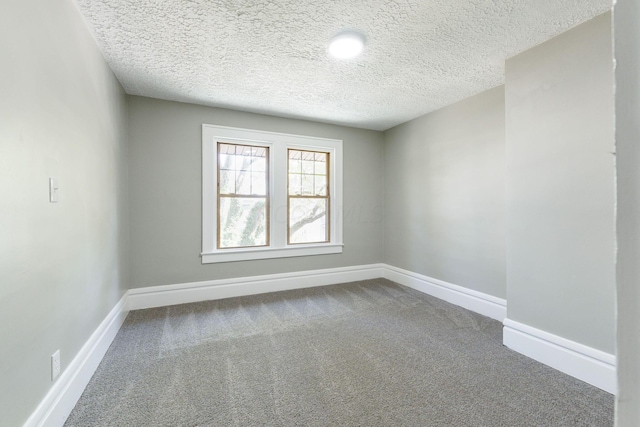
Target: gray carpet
<point x="368" y="353"/>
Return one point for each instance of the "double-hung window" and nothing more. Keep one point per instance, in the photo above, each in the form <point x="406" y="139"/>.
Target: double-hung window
<point x="243" y="196"/>
<point x="269" y="195"/>
<point x="308" y="198"/>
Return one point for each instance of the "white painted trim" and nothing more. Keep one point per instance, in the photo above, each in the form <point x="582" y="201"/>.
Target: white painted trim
<point x="278" y="144"/>
<point x="65" y="392"/>
<point x="592" y="366"/>
<point x="160" y="296"/>
<point x="578" y="360"/>
<point x="479" y="302"/>
<point x="229" y="255"/>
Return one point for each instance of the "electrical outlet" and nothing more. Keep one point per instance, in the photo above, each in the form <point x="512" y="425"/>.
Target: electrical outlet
<point x="55" y="365"/>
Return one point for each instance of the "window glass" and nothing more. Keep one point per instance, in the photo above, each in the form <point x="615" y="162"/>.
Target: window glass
<point x="308" y="197"/>
<point x="243" y="214"/>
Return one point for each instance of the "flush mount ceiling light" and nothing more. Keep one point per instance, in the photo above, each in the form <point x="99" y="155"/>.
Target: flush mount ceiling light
<point x="346" y="45"/>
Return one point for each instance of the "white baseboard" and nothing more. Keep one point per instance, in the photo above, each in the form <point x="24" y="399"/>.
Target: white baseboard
<point x="587" y="364"/>
<point x="64" y="394"/>
<point x="479" y="302"/>
<point x="580" y="361"/>
<point x="160" y="296"/>
<point x="165" y="295"/>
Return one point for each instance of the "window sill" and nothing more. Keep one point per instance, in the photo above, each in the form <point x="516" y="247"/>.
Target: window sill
<point x="231" y="255"/>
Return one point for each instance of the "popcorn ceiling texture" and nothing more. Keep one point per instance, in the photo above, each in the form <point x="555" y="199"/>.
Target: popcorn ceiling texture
<point x="270" y="56"/>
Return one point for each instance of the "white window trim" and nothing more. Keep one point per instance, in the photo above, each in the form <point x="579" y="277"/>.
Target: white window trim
<point x="278" y="144"/>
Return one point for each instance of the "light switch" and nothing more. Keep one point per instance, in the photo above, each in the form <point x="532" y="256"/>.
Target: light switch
<point x="53" y="190"/>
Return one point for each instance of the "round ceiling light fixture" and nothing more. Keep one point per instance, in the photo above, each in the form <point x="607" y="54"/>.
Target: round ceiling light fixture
<point x="346" y="45"/>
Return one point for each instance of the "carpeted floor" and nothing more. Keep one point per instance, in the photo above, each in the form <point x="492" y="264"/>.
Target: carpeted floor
<point x="368" y="353"/>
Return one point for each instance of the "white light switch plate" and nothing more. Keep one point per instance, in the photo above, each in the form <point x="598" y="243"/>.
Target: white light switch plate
<point x="53" y="190"/>
<point x="55" y="365"/>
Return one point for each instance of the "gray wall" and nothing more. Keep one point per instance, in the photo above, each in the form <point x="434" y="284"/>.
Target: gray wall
<point x="62" y="266"/>
<point x="627" y="52"/>
<point x="444" y="194"/>
<point x="560" y="186"/>
<point x="166" y="192"/>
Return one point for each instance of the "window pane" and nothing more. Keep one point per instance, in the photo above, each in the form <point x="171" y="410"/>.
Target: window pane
<point x="321" y="185"/>
<point x="259" y="165"/>
<point x="227" y="182"/>
<point x="307" y="185"/>
<point x="313" y="168"/>
<point x="307" y="167"/>
<point x="320" y="167"/>
<point x="227" y="148"/>
<point x="295" y="165"/>
<point x="243" y="162"/>
<point x="295" y="184"/>
<point x="227" y="162"/>
<point x="307" y="220"/>
<point x="258" y="183"/>
<point x="243" y="182"/>
<point x="243" y="222"/>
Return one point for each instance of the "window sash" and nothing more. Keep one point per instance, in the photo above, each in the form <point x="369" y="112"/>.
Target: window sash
<point x="234" y="195"/>
<point x="326" y="196"/>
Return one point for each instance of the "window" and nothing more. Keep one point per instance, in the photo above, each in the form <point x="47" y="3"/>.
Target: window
<point x="308" y="212"/>
<point x="269" y="195"/>
<point x="243" y="199"/>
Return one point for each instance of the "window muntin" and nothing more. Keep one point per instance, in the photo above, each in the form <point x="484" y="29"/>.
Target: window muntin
<point x="308" y="197"/>
<point x="243" y="196"/>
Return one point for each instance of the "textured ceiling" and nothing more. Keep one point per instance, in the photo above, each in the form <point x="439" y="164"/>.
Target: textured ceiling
<point x="270" y="56"/>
